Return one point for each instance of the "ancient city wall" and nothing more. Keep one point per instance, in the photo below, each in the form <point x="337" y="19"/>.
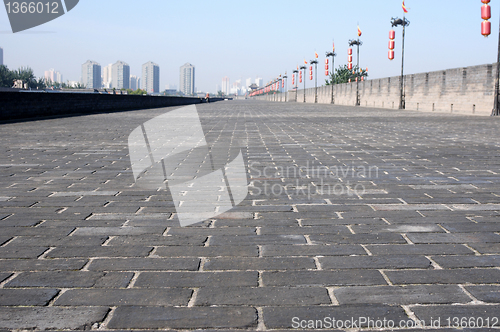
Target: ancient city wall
<point x="466" y="90"/>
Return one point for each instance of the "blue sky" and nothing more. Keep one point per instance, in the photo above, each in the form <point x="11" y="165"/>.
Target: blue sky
<point x="242" y="39"/>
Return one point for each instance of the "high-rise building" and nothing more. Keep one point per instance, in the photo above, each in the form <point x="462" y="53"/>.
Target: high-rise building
<point x="138" y="83"/>
<point x="107" y="77"/>
<point x="186" y="81"/>
<point x="133" y="82"/>
<point x="248" y="83"/>
<point x="53" y="76"/>
<point x="259" y="82"/>
<point x="151" y="77"/>
<point x="225" y="85"/>
<point x="120" y="75"/>
<point x="91" y="75"/>
<point x="1" y="56"/>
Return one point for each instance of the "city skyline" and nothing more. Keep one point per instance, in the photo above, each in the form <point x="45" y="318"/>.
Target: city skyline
<point x="151" y="77"/>
<point x="91" y="75"/>
<point x="251" y="53"/>
<point x="187" y="79"/>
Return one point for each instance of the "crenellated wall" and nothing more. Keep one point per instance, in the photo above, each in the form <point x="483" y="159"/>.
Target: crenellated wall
<point x="466" y="90"/>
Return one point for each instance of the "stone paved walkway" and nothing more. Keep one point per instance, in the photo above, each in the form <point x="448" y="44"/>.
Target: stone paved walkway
<point x="374" y="217"/>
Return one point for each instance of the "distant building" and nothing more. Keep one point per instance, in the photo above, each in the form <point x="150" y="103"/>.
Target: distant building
<point x="53" y="76"/>
<point x="107" y="77"/>
<point x="225" y="85"/>
<point x="151" y="77"/>
<point x="186" y="81"/>
<point x="133" y="82"/>
<point x="120" y="75"/>
<point x="259" y="82"/>
<point x="138" y="83"/>
<point x="91" y="75"/>
<point x="1" y="56"/>
<point x="248" y="83"/>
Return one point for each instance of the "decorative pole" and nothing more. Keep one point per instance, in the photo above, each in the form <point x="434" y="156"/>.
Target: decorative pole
<point x="404" y="23"/>
<point x="486" y="31"/>
<point x="358" y="43"/>
<point x="304" y="68"/>
<point x="285" y="85"/>
<point x="295" y="84"/>
<point x="332" y="54"/>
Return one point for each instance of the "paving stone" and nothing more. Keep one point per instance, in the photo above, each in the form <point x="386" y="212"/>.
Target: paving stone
<point x="108" y="251"/>
<point x="346" y="221"/>
<point x="262" y="296"/>
<point x="197" y="279"/>
<point x="197" y="251"/>
<point x="451" y="315"/>
<point x="18" y="265"/>
<point x="222" y="240"/>
<point x="133" y="317"/>
<point x="467" y="261"/>
<point x="4" y="239"/>
<point x="433" y="294"/>
<point x="486" y="248"/>
<point x="50" y="318"/>
<point x="472" y="227"/>
<point x="414" y="228"/>
<point x="419" y="249"/>
<point x="312" y="250"/>
<point x="37" y="231"/>
<point x="488" y="293"/>
<point x="454" y="238"/>
<point x="305" y="230"/>
<point x="114" y="280"/>
<point x="99" y="231"/>
<point x="456" y="276"/>
<point x="21" y="252"/>
<point x="62" y="279"/>
<point x="323" y="278"/>
<point x="192" y="231"/>
<point x="157" y="240"/>
<point x="26" y="297"/>
<point x="375" y="262"/>
<point x="125" y="297"/>
<point x="358" y="238"/>
<point x="291" y="317"/>
<point x="257" y="264"/>
<point x="4" y="276"/>
<point x="144" y="264"/>
<point x="49" y="241"/>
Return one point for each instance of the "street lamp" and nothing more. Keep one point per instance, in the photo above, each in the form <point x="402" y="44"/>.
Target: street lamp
<point x="315" y="62"/>
<point x="404" y="23"/>
<point x="304" y="68"/>
<point x="485" y="31"/>
<point x="358" y="43"/>
<point x="296" y="84"/>
<point x="332" y="54"/>
<point x="285" y="85"/>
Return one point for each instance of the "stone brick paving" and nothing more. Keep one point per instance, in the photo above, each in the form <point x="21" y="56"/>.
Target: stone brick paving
<point x="362" y="215"/>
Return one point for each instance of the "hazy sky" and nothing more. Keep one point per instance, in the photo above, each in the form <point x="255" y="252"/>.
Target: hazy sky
<point x="243" y="39"/>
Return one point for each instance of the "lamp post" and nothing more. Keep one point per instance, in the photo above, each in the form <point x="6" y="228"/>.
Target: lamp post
<point x="332" y="54"/>
<point x="404" y="23"/>
<point x="315" y="62"/>
<point x="285" y="85"/>
<point x="304" y="68"/>
<point x="486" y="31"/>
<point x="296" y="84"/>
<point x="358" y="43"/>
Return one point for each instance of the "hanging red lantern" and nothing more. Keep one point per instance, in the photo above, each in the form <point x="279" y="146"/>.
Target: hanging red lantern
<point x="326" y="61"/>
<point x="349" y="51"/>
<point x="392" y="34"/>
<point x="349" y="66"/>
<point x="356" y="79"/>
<point x="326" y="67"/>
<point x="391" y="55"/>
<point x="300" y="81"/>
<point x="391" y="44"/>
<point x="327" y="73"/>
<point x="310" y="77"/>
<point x="362" y="78"/>
<point x="283" y="83"/>
<point x="485" y="12"/>
<point x="486" y="28"/>
<point x="485" y="1"/>
<point x="349" y="80"/>
<point x="310" y="68"/>
<point x="349" y="58"/>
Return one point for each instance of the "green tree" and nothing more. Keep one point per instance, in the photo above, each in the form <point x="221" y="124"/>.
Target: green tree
<point x="342" y="75"/>
<point x="6" y="77"/>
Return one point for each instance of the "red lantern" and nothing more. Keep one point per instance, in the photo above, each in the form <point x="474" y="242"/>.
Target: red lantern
<point x="326" y="67"/>
<point x="356" y="79"/>
<point x="282" y="83"/>
<point x="349" y="66"/>
<point x="349" y="80"/>
<point x="391" y="55"/>
<point x="349" y="51"/>
<point x="326" y="61"/>
<point x="327" y="73"/>
<point x="485" y="12"/>
<point x="392" y="34"/>
<point x="349" y="58"/>
<point x="310" y="77"/>
<point x="310" y="68"/>
<point x="391" y="44"/>
<point x="300" y="81"/>
<point x="362" y="78"/>
<point x="485" y="1"/>
<point x="486" y="28"/>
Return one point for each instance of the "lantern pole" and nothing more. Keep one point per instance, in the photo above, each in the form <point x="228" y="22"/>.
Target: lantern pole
<point x="332" y="54"/>
<point x="286" y="86"/>
<point x="316" y="79"/>
<point x="296" y="83"/>
<point x="304" y="67"/>
<point x="358" y="43"/>
<point x="496" y="110"/>
<point x="404" y="23"/>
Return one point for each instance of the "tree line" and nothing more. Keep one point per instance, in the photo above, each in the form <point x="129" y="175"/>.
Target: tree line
<point x="26" y="75"/>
